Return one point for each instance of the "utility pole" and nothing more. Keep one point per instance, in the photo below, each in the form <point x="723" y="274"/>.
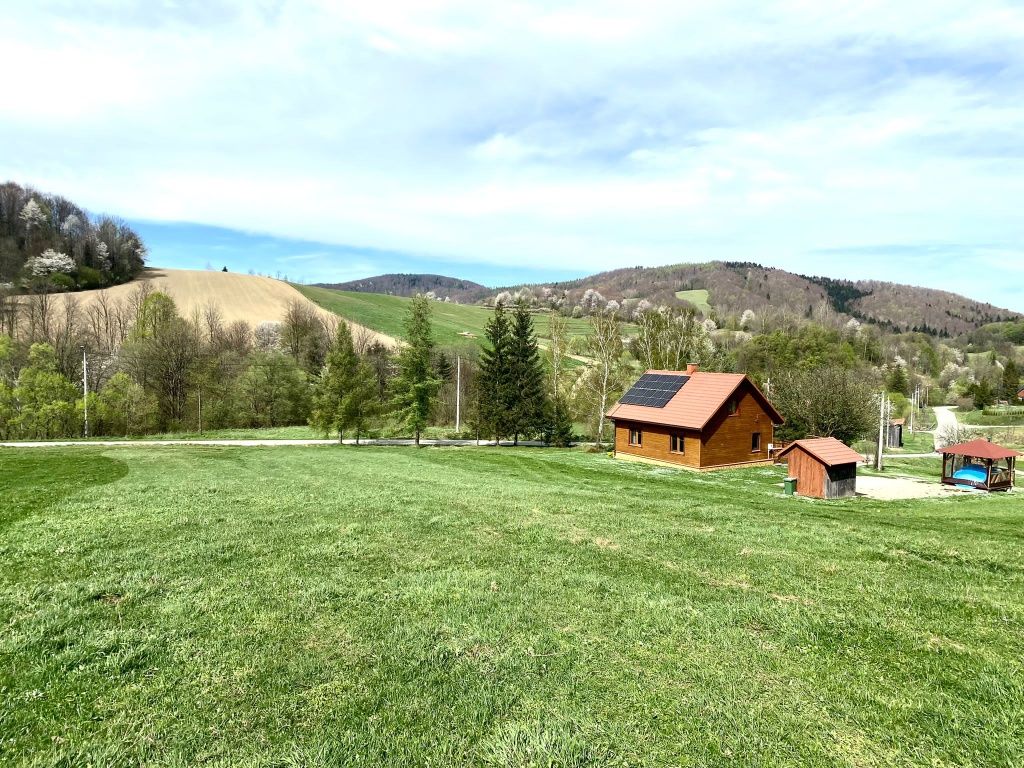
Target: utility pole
<point x="881" y="431"/>
<point x="458" y="392"/>
<point x="200" y="410"/>
<point x="85" y="388"/>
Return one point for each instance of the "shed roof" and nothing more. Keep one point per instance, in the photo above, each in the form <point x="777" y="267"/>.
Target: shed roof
<point x="827" y="450"/>
<point x="898" y="422"/>
<point x="693" y="406"/>
<point x="980" y="449"/>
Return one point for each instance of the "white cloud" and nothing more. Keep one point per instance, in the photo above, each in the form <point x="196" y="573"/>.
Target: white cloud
<point x="584" y="134"/>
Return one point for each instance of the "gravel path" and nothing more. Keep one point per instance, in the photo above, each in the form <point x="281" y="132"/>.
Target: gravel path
<point x="945" y="419"/>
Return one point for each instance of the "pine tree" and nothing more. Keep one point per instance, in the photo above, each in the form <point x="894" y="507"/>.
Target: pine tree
<point x="417" y="382"/>
<point x="346" y="393"/>
<point x="495" y="382"/>
<point x="1011" y="382"/>
<point x="526" y="414"/>
<point x="558" y="427"/>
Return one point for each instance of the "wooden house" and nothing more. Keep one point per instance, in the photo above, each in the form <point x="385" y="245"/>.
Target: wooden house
<point x="979" y="464"/>
<point x="694" y="419"/>
<point x="824" y="468"/>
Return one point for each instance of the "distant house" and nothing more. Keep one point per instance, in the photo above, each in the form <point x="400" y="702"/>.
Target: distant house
<point x="1020" y="395"/>
<point x="824" y="467"/>
<point x="694" y="419"/>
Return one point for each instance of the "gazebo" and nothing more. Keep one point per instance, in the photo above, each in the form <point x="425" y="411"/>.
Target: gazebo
<point x="979" y="464"/>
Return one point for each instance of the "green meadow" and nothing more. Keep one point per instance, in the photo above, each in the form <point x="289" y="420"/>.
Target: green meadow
<point x="699" y="299"/>
<point x="331" y="606"/>
<point x="451" y="322"/>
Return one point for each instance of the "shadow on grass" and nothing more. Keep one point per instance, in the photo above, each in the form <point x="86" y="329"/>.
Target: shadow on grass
<point x="31" y="481"/>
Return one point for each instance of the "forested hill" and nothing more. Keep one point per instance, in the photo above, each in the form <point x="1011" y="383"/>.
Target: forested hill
<point x="462" y="291"/>
<point x="49" y="243"/>
<point x="732" y="288"/>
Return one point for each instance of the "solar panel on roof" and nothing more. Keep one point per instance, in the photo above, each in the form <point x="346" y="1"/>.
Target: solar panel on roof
<point x="654" y="390"/>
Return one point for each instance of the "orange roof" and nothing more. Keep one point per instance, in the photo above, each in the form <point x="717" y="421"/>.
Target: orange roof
<point x="980" y="449"/>
<point x="693" y="406"/>
<point x="898" y="422"/>
<point x="827" y="450"/>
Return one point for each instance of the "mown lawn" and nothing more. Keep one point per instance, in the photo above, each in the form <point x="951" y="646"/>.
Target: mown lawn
<point x="992" y="417"/>
<point x="387" y="314"/>
<point x="496" y="607"/>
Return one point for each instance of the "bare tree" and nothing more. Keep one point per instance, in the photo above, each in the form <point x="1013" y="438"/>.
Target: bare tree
<point x="605" y="347"/>
<point x="213" y="324"/>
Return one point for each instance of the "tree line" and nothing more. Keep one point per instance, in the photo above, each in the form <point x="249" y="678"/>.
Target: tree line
<point x="47" y="243"/>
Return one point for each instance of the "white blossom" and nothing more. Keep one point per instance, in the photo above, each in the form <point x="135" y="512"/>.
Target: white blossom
<point x="32" y="214"/>
<point x="503" y="299"/>
<point x="102" y="255"/>
<point x="747" y="318"/>
<point x="72" y="225"/>
<point x="592" y="301"/>
<point x="267" y="335"/>
<point x="612" y="306"/>
<point x="709" y="325"/>
<point x="49" y="262"/>
<point x="853" y="326"/>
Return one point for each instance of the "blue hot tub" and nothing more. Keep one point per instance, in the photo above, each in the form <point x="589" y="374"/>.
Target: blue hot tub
<point x="972" y="473"/>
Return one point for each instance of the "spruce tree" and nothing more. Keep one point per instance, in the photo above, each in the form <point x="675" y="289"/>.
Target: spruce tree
<point x="1010" y="384"/>
<point x="526" y="414"/>
<point x="346" y="393"/>
<point x="417" y="382"/>
<point x="495" y="383"/>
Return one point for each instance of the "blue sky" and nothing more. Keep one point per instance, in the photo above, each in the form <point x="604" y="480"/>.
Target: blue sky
<point x="535" y="140"/>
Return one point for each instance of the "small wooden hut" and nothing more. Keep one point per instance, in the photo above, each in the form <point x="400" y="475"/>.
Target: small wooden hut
<point x="894" y="434"/>
<point x="979" y="464"/>
<point x="824" y="468"/>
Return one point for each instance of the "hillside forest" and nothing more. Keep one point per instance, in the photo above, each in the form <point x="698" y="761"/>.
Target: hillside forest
<point x="47" y="243"/>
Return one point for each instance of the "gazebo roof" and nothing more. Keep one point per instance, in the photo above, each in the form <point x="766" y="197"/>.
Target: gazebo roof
<point x="981" y="449"/>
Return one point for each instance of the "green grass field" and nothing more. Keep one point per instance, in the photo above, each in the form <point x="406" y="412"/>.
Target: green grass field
<point x="992" y="417"/>
<point x="495" y="607"/>
<point x="387" y="314"/>
<point x="699" y="299"/>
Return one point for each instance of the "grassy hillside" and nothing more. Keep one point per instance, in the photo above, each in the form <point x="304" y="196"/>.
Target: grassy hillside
<point x="699" y="299"/>
<point x="294" y="606"/>
<point x="387" y="314"/>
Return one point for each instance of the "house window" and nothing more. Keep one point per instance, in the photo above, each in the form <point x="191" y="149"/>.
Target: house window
<point x="636" y="437"/>
<point x="734" y="407"/>
<point x="755" y="442"/>
<point x="677" y="444"/>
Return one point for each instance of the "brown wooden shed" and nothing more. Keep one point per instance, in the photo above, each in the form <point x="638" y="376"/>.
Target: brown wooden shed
<point x="824" y="468"/>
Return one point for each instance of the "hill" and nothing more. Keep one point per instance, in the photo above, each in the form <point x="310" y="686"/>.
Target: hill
<point x="239" y="297"/>
<point x="409" y="285"/>
<point x="723" y="289"/>
<point x="453" y="323"/>
<point x="733" y="287"/>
